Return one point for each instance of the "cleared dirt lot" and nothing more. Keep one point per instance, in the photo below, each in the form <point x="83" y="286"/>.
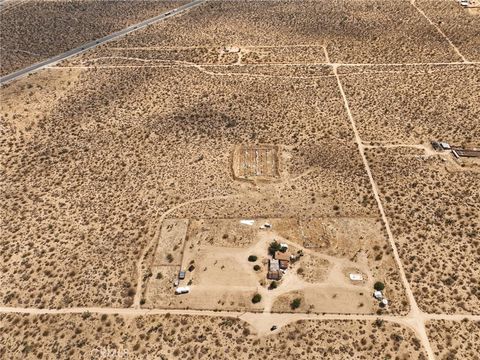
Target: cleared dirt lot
<point x="193" y="337"/>
<point x="433" y="210"/>
<point x="215" y="256"/>
<point x="34" y="30"/>
<point x="455" y="340"/>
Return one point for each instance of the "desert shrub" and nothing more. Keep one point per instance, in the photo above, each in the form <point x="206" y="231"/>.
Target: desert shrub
<point x="379" y="286"/>
<point x="273" y="285"/>
<point x="256" y="298"/>
<point x="256" y="267"/>
<point x="295" y="304"/>
<point x="252" y="258"/>
<point x="170" y="258"/>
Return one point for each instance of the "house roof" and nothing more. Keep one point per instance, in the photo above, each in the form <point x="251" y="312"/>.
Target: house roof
<point x="282" y="256"/>
<point x="274" y="265"/>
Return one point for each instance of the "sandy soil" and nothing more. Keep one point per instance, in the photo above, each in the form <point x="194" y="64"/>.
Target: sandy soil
<point x="99" y="153"/>
<point x="222" y="278"/>
<point x="194" y="337"/>
<point x="50" y="27"/>
<point x="455" y="340"/>
<point x="434" y="217"/>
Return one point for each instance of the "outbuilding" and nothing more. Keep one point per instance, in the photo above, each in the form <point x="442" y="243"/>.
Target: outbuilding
<point x="274" y="275"/>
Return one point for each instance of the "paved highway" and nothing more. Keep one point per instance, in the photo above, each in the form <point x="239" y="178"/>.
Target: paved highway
<point x="78" y="50"/>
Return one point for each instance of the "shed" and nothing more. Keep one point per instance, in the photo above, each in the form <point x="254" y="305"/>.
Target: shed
<point x="274" y="275"/>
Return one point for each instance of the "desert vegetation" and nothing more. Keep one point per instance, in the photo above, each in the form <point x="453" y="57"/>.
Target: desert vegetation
<point x="193" y="337"/>
<point x="434" y="217"/>
<point x="124" y="165"/>
<point x="454" y="340"/>
<point x="345" y="27"/>
<point x="34" y="30"/>
<point x="91" y="175"/>
<point x="412" y="105"/>
<point x="461" y="25"/>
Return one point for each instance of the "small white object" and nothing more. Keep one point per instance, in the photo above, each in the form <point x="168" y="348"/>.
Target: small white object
<point x="247" y="222"/>
<point x="385" y="302"/>
<point x="175" y="283"/>
<point x="283" y="246"/>
<point x="445" y="146"/>
<point x="182" y="290"/>
<point x="356" y="277"/>
<point x="378" y="295"/>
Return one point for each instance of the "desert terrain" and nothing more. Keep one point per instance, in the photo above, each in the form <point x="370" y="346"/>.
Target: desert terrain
<point x="95" y="336"/>
<point x="55" y="26"/>
<point x="453" y="340"/>
<point x="271" y="161"/>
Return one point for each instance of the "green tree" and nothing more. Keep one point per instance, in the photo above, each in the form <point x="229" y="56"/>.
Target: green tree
<point x="274" y="247"/>
<point x="379" y="286"/>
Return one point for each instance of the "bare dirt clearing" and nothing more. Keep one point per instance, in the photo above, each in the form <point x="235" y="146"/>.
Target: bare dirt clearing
<point x="120" y="170"/>
<point x="215" y="259"/>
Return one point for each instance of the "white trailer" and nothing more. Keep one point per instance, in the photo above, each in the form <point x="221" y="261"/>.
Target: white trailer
<point x="182" y="290"/>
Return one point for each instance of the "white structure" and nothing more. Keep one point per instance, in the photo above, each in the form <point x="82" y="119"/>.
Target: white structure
<point x="378" y="295"/>
<point x="385" y="302"/>
<point x="274" y="265"/>
<point x="356" y="277"/>
<point x="445" y="146"/>
<point x="182" y="290"/>
<point x="247" y="222"/>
